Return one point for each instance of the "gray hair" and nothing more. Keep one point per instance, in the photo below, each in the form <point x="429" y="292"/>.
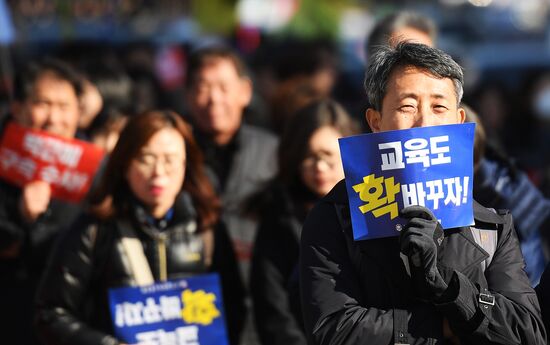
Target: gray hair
<point x="432" y="60"/>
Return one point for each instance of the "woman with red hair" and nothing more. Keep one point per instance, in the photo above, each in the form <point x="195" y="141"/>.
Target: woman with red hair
<point x="154" y="186"/>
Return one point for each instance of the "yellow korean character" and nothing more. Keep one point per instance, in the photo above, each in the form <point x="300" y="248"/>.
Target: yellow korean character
<point x="371" y="191"/>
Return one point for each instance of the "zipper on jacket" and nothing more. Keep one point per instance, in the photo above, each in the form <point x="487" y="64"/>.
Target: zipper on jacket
<point x="161" y="247"/>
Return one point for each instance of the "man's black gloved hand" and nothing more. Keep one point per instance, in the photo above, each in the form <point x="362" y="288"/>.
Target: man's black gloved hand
<point x="419" y="241"/>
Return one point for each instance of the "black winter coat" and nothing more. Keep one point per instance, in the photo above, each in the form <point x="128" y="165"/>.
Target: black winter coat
<point x="274" y="279"/>
<point x="72" y="300"/>
<point x="24" y="250"/>
<point x="543" y="293"/>
<point x="250" y="161"/>
<point x="360" y="293"/>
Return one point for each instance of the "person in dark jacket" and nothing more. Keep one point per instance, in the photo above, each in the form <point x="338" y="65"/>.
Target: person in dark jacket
<point x="360" y="292"/>
<point x="46" y="98"/>
<point x="543" y="294"/>
<point x="309" y="166"/>
<point x="154" y="183"/>
<point x="241" y="157"/>
<point x="500" y="184"/>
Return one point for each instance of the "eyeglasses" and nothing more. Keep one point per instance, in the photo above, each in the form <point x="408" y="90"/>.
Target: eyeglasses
<point x="311" y="161"/>
<point x="148" y="163"/>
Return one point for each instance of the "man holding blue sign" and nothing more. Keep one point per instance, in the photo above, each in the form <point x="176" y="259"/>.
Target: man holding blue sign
<point x="419" y="166"/>
<point x="414" y="283"/>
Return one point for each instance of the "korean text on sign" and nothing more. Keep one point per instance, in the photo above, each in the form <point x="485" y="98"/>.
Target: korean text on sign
<point x="388" y="171"/>
<point x="181" y="312"/>
<point x="69" y="166"/>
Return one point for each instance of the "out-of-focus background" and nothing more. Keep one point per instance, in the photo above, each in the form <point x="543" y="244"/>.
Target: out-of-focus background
<point x="134" y="54"/>
<point x="503" y="45"/>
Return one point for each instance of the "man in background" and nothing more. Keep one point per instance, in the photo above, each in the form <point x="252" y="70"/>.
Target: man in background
<point x="241" y="157"/>
<point x="401" y="26"/>
<point x="357" y="291"/>
<point x="46" y="98"/>
<point x="498" y="182"/>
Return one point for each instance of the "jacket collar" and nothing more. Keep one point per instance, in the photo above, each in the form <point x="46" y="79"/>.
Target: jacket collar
<point x="182" y="211"/>
<point x="486" y="215"/>
<point x="338" y="194"/>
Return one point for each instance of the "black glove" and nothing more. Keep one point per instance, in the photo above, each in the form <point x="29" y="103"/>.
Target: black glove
<point x="419" y="241"/>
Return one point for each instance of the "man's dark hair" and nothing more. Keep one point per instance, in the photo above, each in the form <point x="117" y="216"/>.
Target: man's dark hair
<point x="387" y="59"/>
<point x="24" y="81"/>
<point x="383" y="30"/>
<point x="115" y="87"/>
<point x="208" y="55"/>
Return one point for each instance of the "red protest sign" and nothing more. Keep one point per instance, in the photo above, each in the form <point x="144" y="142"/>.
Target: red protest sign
<point x="68" y="165"/>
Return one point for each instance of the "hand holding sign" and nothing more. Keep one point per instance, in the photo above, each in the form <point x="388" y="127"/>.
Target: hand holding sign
<point x="419" y="241"/>
<point x="34" y="201"/>
<point x="67" y="166"/>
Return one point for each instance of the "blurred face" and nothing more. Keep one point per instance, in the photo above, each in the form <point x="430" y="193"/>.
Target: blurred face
<point x="415" y="98"/>
<point x="51" y="106"/>
<point x="217" y="99"/>
<point x="156" y="175"/>
<point x="108" y="137"/>
<point x="322" y="167"/>
<point x="91" y="103"/>
<point x="411" y="35"/>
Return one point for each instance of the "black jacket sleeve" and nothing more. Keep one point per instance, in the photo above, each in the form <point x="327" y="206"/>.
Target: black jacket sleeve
<point x="543" y="294"/>
<point x="64" y="288"/>
<point x="225" y="263"/>
<point x="12" y="228"/>
<point x="515" y="316"/>
<point x="39" y="235"/>
<point x="332" y="299"/>
<point x="273" y="263"/>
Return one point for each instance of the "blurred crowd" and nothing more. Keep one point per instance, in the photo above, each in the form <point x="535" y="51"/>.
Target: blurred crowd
<point x="214" y="159"/>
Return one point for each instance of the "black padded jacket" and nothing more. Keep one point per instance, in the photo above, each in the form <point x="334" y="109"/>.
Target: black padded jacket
<point x="72" y="299"/>
<point x="360" y="293"/>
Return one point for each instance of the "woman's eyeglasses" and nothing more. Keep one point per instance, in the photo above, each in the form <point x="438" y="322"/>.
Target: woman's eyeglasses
<point x="311" y="161"/>
<point x="148" y="163"/>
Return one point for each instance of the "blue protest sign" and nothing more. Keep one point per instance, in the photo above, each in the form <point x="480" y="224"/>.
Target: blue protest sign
<point x="387" y="171"/>
<point x="179" y="312"/>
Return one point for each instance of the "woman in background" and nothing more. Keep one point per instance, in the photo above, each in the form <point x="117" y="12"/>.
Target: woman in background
<point x="154" y="186"/>
<point x="309" y="166"/>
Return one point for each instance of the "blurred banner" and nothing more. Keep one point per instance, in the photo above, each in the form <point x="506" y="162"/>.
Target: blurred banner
<point x="7" y="33"/>
<point x="428" y="166"/>
<point x="178" y="312"/>
<point x="68" y="165"/>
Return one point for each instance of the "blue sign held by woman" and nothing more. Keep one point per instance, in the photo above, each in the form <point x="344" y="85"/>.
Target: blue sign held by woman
<point x="387" y="171"/>
<point x="178" y="312"/>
